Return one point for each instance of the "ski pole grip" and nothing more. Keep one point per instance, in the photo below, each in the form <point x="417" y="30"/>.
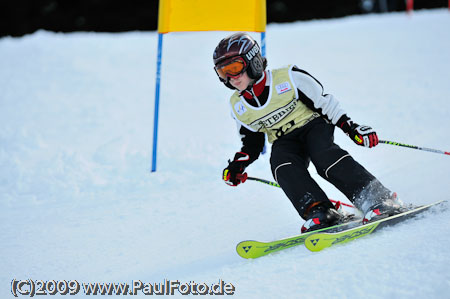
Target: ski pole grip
<point x="242" y="177"/>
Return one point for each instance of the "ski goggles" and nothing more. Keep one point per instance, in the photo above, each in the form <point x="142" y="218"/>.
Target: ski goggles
<point x="231" y="68"/>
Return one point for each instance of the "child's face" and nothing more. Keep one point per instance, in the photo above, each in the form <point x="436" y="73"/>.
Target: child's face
<point x="240" y="82"/>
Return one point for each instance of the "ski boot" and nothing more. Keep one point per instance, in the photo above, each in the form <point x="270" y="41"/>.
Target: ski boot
<point x="321" y="216"/>
<point x="385" y="208"/>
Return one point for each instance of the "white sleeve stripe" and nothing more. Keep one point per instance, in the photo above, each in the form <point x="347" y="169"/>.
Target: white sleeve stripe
<point x="327" y="105"/>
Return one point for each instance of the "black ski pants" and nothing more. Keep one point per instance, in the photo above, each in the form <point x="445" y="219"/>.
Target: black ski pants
<point x="314" y="142"/>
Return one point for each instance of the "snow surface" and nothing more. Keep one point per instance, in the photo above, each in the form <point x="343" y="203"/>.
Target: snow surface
<point x="77" y="200"/>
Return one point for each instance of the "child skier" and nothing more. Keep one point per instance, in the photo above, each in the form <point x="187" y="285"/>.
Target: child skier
<point x="289" y="106"/>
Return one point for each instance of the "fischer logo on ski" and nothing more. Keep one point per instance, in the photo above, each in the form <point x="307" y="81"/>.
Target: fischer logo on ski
<point x="314" y="242"/>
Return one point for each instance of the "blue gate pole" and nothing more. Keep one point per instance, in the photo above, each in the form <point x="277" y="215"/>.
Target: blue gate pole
<point x="157" y="88"/>
<point x="263" y="44"/>
<point x="263" y="53"/>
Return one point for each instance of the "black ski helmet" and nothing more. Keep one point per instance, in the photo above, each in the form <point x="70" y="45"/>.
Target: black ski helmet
<point x="243" y="45"/>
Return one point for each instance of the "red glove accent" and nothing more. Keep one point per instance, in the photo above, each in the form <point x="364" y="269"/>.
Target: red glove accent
<point x="361" y="135"/>
<point x="234" y="174"/>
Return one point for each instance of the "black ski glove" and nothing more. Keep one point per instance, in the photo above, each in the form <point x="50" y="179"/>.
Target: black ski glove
<point x="234" y="174"/>
<point x="361" y="135"/>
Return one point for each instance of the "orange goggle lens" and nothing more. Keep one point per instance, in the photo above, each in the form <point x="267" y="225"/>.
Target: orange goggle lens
<point x="231" y="68"/>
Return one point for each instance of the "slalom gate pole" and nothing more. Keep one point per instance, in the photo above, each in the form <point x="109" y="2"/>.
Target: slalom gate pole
<point x="277" y="185"/>
<point x="414" y="147"/>
<point x="157" y="93"/>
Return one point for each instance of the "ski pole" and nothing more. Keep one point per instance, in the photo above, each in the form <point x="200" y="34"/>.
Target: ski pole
<point x="277" y="185"/>
<point x="263" y="181"/>
<point x="414" y="147"/>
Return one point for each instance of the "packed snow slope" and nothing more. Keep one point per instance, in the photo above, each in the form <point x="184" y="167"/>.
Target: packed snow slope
<point x="78" y="201"/>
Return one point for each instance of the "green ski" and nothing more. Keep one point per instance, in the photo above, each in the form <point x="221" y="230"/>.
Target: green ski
<point x="317" y="241"/>
<point x="255" y="249"/>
